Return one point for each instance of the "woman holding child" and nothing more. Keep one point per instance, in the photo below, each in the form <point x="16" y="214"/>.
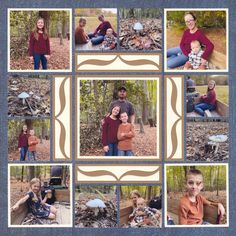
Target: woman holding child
<point x="178" y="56"/>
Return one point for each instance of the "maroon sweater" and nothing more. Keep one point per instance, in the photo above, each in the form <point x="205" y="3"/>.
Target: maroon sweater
<point x="187" y="38"/>
<point x="23" y="140"/>
<point x="210" y="97"/>
<point x="109" y="131"/>
<point x="102" y="28"/>
<point x="40" y="46"/>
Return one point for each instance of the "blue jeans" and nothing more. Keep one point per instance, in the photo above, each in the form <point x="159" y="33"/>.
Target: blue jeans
<point x="23" y="151"/>
<point x="201" y="107"/>
<point x="37" y="59"/>
<point x="113" y="151"/>
<point x="206" y="223"/>
<point x="175" y="58"/>
<point x="32" y="156"/>
<point x="96" y="39"/>
<point x="125" y="153"/>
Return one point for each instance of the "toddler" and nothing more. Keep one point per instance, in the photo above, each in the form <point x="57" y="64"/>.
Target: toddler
<point x="109" y="41"/>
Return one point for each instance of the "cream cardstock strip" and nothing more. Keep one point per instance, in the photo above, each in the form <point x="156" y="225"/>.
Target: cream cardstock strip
<point x="117" y="173"/>
<point x="118" y="62"/>
<point x="62" y="118"/>
<point x="174" y="117"/>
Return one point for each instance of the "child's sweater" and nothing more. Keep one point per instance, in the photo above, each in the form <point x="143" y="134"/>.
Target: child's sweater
<point x="40" y="46"/>
<point x="32" y="142"/>
<point x="125" y="143"/>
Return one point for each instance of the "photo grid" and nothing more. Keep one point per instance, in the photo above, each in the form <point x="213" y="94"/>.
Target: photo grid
<point x="62" y="127"/>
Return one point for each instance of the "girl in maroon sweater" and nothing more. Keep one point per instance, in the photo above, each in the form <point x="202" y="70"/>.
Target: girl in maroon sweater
<point x="23" y="143"/>
<point x="109" y="132"/>
<point x="39" y="45"/>
<point x="178" y="56"/>
<point x="208" y="101"/>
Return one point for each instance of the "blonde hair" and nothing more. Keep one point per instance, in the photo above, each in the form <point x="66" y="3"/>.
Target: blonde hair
<point x="34" y="181"/>
<point x="45" y="33"/>
<point x="196" y="42"/>
<point x="135" y="192"/>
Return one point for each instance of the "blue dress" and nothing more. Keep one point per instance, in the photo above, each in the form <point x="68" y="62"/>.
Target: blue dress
<point x="36" y="207"/>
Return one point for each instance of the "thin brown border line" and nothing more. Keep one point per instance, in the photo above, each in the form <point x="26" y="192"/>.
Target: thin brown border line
<point x="165" y="116"/>
<point x="53" y="118"/>
<point x="85" y="158"/>
<point x="159" y="69"/>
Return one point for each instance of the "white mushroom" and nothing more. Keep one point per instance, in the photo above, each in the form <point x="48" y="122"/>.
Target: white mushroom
<point x="138" y="26"/>
<point x="95" y="204"/>
<point x="23" y="96"/>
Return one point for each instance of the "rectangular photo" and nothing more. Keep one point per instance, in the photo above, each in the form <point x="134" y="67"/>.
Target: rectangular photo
<point x="196" y="40"/>
<point x="95" y="206"/>
<point x="207" y="96"/>
<point x="140" y="206"/>
<point x="40" y="195"/>
<point x="196" y="195"/>
<point x="140" y="29"/>
<point x="39" y="39"/>
<point x="96" y="29"/>
<point x="29" y="140"/>
<point x="28" y="96"/>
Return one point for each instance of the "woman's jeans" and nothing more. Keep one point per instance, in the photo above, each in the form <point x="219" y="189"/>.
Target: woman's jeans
<point x="96" y="39"/>
<point x="23" y="151"/>
<point x="113" y="151"/>
<point x="201" y="107"/>
<point x="125" y="153"/>
<point x="37" y="59"/>
<point x="175" y="58"/>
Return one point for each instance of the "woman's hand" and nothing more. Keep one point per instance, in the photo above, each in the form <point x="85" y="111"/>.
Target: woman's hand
<point x="15" y="207"/>
<point x="203" y="62"/>
<point x="106" y="148"/>
<point x="19" y="149"/>
<point x="47" y="57"/>
<point x="31" y="58"/>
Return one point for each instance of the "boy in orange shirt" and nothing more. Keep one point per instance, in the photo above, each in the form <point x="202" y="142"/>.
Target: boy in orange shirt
<point x="191" y="206"/>
<point x="32" y="142"/>
<point x="125" y="134"/>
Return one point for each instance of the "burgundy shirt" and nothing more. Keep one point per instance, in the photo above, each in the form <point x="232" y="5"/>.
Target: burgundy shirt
<point x="40" y="46"/>
<point x="23" y="140"/>
<point x="109" y="131"/>
<point x="210" y="97"/>
<point x="102" y="28"/>
<point x="187" y="38"/>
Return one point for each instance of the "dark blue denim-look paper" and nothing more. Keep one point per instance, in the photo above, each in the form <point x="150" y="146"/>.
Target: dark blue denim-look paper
<point x="4" y="4"/>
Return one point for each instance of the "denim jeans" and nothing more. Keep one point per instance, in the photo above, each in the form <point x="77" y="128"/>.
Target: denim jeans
<point x="37" y="59"/>
<point x="175" y="58"/>
<point x="113" y="151"/>
<point x="96" y="39"/>
<point x="201" y="107"/>
<point x="32" y="155"/>
<point x="125" y="153"/>
<point x="23" y="151"/>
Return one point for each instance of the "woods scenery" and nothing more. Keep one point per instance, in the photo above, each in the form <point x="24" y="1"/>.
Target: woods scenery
<point x="96" y="206"/>
<point x="136" y="199"/>
<point x="140" y="29"/>
<point x="54" y="52"/>
<point x="214" y="190"/>
<point x="28" y="97"/>
<point x="208" y="28"/>
<point x="96" y="99"/>
<point x="21" y="134"/>
<point x="40" y="195"/>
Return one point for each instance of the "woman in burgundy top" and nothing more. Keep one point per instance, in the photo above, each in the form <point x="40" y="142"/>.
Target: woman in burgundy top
<point x="109" y="132"/>
<point x="39" y="46"/>
<point x="208" y="101"/>
<point x="23" y="143"/>
<point x="178" y="56"/>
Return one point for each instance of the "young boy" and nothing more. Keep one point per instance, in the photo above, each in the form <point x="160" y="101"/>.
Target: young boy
<point x="191" y="206"/>
<point x="109" y="41"/>
<point x="32" y="142"/>
<point x="80" y="36"/>
<point x="195" y="57"/>
<point x="125" y="134"/>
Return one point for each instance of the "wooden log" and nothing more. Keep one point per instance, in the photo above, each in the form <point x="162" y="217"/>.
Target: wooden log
<point x="124" y="214"/>
<point x="222" y="109"/>
<point x="62" y="195"/>
<point x="217" y="60"/>
<point x="19" y="215"/>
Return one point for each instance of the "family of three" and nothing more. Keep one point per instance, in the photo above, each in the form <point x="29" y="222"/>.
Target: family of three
<point x="118" y="126"/>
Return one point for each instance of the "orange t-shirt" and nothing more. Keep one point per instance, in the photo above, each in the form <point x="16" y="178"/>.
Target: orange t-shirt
<point x="32" y="142"/>
<point x="125" y="142"/>
<point x="191" y="213"/>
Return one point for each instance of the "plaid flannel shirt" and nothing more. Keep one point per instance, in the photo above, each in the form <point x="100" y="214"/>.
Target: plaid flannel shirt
<point x="140" y="219"/>
<point x="195" y="59"/>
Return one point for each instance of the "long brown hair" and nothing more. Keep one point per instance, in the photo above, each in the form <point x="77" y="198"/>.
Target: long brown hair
<point x="45" y="32"/>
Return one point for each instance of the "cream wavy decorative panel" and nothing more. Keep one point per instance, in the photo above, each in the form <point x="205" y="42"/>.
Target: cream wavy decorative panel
<point x="123" y="62"/>
<point x="62" y="118"/>
<point x="118" y="173"/>
<point x="174" y="117"/>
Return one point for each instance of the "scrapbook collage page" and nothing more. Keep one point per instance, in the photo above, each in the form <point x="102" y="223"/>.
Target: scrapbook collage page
<point x="117" y="117"/>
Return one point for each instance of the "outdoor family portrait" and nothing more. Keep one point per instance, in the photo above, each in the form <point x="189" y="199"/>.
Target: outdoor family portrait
<point x="196" y="40"/>
<point x="140" y="206"/>
<point x="96" y="29"/>
<point x="40" y="195"/>
<point x="39" y="40"/>
<point x="29" y="140"/>
<point x="118" y="117"/>
<point x="196" y="195"/>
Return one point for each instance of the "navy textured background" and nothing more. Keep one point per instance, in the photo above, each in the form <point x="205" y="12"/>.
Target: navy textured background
<point x="4" y="4"/>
